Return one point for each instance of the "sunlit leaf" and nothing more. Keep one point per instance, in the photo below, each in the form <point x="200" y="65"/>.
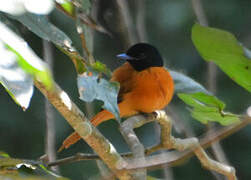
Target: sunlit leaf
<point x="222" y="48"/>
<point x="16" y="81"/>
<point x="206" y="108"/>
<point x="185" y="84"/>
<point x="21" y="6"/>
<point x="66" y="5"/>
<point x="39" y="7"/>
<point x="91" y="87"/>
<point x="42" y="75"/>
<point x="27" y="59"/>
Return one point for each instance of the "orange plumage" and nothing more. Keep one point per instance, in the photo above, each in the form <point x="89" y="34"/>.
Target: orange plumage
<point x="142" y="89"/>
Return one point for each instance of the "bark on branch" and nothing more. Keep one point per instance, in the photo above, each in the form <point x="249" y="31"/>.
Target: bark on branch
<point x="61" y="101"/>
<point x="170" y="142"/>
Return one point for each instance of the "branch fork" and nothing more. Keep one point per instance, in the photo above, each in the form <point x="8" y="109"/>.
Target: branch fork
<point x="170" y="142"/>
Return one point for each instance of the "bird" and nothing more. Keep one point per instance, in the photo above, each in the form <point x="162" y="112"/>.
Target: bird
<point x="145" y="86"/>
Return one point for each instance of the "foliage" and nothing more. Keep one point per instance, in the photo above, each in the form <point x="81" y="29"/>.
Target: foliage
<point x="18" y="79"/>
<point x="40" y="25"/>
<point x="208" y="108"/>
<point x="18" y="169"/>
<point x="222" y="48"/>
<point x="91" y="87"/>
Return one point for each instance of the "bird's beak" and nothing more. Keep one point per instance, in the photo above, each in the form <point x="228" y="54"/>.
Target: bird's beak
<point x="124" y="56"/>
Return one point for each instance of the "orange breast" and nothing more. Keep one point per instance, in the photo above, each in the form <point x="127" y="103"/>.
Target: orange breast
<point x="153" y="90"/>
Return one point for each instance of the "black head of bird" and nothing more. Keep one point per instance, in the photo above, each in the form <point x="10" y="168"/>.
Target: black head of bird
<point x="142" y="56"/>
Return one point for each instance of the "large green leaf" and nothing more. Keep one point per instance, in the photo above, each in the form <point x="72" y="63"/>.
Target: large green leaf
<point x="207" y="108"/>
<point x="222" y="48"/>
<point x="41" y="26"/>
<point x="93" y="87"/>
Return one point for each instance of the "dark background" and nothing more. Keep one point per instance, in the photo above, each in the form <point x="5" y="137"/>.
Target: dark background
<point x="168" y="26"/>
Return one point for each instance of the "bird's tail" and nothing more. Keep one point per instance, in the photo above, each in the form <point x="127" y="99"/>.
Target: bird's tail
<point x="96" y="120"/>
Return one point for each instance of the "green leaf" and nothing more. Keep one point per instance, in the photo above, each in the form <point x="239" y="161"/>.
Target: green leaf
<point x="152" y="178"/>
<point x="67" y="5"/>
<point x="91" y="87"/>
<point x="185" y="84"/>
<point x="41" y="26"/>
<point x="11" y="168"/>
<point x="207" y="108"/>
<point x="42" y="75"/>
<point x="222" y="48"/>
<point x="4" y="155"/>
<point x="16" y="81"/>
<point x="26" y="58"/>
<point x="99" y="67"/>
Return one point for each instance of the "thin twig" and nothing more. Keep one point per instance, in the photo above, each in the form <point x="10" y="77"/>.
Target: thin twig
<point x="126" y="23"/>
<point x="85" y="19"/>
<point x="199" y="12"/>
<point x="85" y="33"/>
<point x="50" y="147"/>
<point x="140" y="20"/>
<point x="80" y="157"/>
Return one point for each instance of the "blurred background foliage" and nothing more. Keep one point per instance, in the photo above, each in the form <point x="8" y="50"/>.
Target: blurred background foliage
<point x="168" y="27"/>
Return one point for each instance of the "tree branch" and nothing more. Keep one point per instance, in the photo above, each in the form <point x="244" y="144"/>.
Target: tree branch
<point x="132" y="140"/>
<point x="170" y="142"/>
<point x="140" y="20"/>
<point x="50" y="123"/>
<point x="61" y="101"/>
<point x="85" y="19"/>
<point x="170" y="159"/>
<point x="125" y="23"/>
